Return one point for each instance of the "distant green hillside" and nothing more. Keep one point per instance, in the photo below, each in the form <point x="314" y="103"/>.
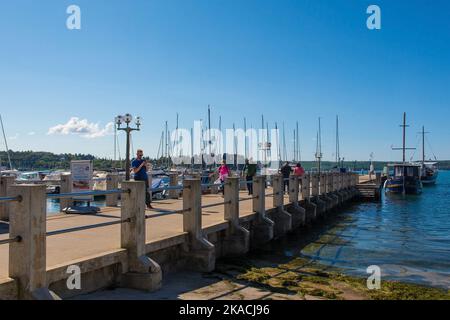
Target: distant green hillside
<point x="31" y="160"/>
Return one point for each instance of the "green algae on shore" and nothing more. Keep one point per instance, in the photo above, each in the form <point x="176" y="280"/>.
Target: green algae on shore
<point x="311" y="280"/>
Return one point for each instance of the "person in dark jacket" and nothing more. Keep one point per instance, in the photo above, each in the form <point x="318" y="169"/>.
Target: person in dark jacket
<point x="249" y="172"/>
<point x="286" y="172"/>
<point x="139" y="166"/>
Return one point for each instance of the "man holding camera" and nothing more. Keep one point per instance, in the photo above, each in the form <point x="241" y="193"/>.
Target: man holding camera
<point x="139" y="166"/>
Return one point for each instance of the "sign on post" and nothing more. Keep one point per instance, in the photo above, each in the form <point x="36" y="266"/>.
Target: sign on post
<point x="82" y="172"/>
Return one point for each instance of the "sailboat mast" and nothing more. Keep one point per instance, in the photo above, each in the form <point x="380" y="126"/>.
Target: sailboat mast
<point x="404" y="137"/>
<point x="209" y="131"/>
<point x="245" y="138"/>
<point x="284" y="144"/>
<point x="298" y="144"/>
<point x="6" y="144"/>
<point x="338" y="156"/>
<point x="277" y="137"/>
<point x="220" y="141"/>
<point x="423" y="144"/>
<point x="295" y="151"/>
<point x="319" y="148"/>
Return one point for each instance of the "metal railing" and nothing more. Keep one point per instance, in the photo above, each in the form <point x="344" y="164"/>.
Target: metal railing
<point x="11" y="240"/>
<point x="120" y="191"/>
<point x="87" y="193"/>
<point x="10" y="199"/>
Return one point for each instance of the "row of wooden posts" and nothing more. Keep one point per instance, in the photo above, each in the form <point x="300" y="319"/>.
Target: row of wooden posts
<point x="27" y="220"/>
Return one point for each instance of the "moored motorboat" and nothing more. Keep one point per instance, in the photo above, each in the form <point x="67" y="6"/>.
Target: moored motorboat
<point x="406" y="179"/>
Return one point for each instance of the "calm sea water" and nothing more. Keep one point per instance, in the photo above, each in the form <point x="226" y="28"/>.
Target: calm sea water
<point x="53" y="205"/>
<point x="407" y="237"/>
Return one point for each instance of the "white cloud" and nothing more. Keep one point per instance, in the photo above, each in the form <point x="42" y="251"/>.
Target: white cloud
<point x="82" y="127"/>
<point x="32" y="133"/>
<point x="14" y="137"/>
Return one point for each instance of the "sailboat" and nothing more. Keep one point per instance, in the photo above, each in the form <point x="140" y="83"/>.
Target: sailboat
<point x="429" y="169"/>
<point x="406" y="178"/>
<point x="7" y="170"/>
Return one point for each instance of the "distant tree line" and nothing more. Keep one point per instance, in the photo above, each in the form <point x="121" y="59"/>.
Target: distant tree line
<point x="32" y="160"/>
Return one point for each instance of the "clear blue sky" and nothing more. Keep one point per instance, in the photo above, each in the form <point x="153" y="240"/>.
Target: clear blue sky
<point x="289" y="59"/>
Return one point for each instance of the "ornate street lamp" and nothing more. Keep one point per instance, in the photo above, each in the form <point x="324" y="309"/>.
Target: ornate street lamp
<point x="127" y="119"/>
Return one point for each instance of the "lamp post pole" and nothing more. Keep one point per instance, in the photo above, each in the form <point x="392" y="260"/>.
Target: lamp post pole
<point x="127" y="120"/>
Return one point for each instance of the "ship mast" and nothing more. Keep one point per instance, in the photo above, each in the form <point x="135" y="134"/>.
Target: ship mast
<point x="6" y="144"/>
<point x="338" y="156"/>
<point x="319" y="148"/>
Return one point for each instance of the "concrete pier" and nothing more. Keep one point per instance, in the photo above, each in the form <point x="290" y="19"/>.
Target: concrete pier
<point x="66" y="187"/>
<point x="199" y="251"/>
<point x="323" y="194"/>
<point x="308" y="205"/>
<point x="130" y="246"/>
<point x="297" y="212"/>
<point x="315" y="196"/>
<point x="5" y="186"/>
<point x="173" y="182"/>
<point x="330" y="190"/>
<point x="281" y="218"/>
<point x="263" y="227"/>
<point x="142" y="273"/>
<point x="27" y="258"/>
<point x="237" y="238"/>
<point x="112" y="183"/>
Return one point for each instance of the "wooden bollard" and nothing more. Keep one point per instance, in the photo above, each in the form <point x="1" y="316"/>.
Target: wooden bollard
<point x="281" y="218"/>
<point x="263" y="227"/>
<point x="314" y="185"/>
<point x="278" y="194"/>
<point x="231" y="197"/>
<point x="306" y="187"/>
<point x="201" y="252"/>
<point x="5" y="184"/>
<point x="329" y="188"/>
<point x="259" y="191"/>
<point x="143" y="273"/>
<point x="132" y="236"/>
<point x="112" y="183"/>
<point x="192" y="201"/>
<point x="298" y="214"/>
<point x="322" y="184"/>
<point x="27" y="258"/>
<point x="237" y="240"/>
<point x="335" y="182"/>
<point x="66" y="187"/>
<point x="293" y="189"/>
<point x="173" y="182"/>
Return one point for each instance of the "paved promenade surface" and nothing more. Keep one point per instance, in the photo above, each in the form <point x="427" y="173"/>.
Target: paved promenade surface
<point x="63" y="248"/>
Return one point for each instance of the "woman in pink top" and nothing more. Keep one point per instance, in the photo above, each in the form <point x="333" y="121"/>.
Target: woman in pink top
<point x="224" y="172"/>
<point x="298" y="170"/>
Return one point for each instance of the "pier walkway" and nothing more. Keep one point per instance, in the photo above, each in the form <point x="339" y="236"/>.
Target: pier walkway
<point x="66" y="248"/>
<point x="129" y="246"/>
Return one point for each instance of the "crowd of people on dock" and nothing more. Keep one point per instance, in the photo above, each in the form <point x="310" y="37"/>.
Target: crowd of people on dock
<point x="140" y="168"/>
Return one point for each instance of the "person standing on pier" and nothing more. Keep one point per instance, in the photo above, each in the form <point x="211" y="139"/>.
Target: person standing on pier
<point x="224" y="172"/>
<point x="298" y="170"/>
<point x="286" y="172"/>
<point x="140" y="167"/>
<point x="249" y="172"/>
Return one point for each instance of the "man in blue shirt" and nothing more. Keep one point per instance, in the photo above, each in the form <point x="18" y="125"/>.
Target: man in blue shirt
<point x="139" y="167"/>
